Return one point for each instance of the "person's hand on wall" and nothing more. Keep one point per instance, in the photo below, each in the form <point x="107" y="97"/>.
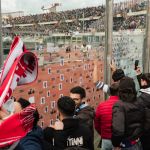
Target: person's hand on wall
<point x="113" y="66"/>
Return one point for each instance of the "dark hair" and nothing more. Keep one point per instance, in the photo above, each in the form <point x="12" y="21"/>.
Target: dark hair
<point x="66" y="105"/>
<point x="146" y="77"/>
<point x="25" y="103"/>
<point x="114" y="89"/>
<point x="78" y="90"/>
<point x="127" y="90"/>
<point x="117" y="75"/>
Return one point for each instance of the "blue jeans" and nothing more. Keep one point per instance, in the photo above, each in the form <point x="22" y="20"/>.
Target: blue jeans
<point x="137" y="146"/>
<point x="106" y="144"/>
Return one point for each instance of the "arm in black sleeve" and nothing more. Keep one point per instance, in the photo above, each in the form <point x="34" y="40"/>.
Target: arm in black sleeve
<point x="48" y="137"/>
<point x="118" y="125"/>
<point x="139" y="79"/>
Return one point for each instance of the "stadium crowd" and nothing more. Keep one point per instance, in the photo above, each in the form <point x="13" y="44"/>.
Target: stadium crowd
<point x="80" y="20"/>
<point x="62" y="15"/>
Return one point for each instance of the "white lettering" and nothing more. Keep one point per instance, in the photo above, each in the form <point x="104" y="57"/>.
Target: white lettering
<point x="75" y="141"/>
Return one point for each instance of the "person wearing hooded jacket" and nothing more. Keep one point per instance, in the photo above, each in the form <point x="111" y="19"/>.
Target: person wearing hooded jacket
<point x="83" y="111"/>
<point x="144" y="100"/>
<point x="128" y="118"/>
<point x="68" y="132"/>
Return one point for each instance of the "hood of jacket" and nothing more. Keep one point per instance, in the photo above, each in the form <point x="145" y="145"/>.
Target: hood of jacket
<point x="144" y="97"/>
<point x="147" y="90"/>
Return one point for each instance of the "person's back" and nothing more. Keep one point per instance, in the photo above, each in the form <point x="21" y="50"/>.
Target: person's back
<point x="133" y="119"/>
<point x="85" y="114"/>
<point x="103" y="117"/>
<point x="144" y="100"/>
<point x="128" y="117"/>
<point x="72" y="133"/>
<point x="32" y="141"/>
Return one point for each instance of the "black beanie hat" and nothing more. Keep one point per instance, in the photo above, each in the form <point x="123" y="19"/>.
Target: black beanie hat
<point x="118" y="74"/>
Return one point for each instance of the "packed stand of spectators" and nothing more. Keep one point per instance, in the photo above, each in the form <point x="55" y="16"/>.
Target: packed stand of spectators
<point x="119" y="23"/>
<point x="62" y="15"/>
<point x="60" y="18"/>
<point x="79" y="20"/>
<point x="99" y="25"/>
<point x="132" y="22"/>
<point x="139" y="6"/>
<point x="126" y="7"/>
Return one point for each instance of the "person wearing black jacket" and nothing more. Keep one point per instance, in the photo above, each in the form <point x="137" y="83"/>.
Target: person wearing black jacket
<point x="128" y="118"/>
<point x="68" y="132"/>
<point x="83" y="111"/>
<point x="144" y="100"/>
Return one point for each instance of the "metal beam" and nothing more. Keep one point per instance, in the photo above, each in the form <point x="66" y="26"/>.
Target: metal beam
<point x="146" y="53"/>
<point x="108" y="40"/>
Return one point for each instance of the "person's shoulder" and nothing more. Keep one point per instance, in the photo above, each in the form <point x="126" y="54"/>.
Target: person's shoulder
<point x="144" y="95"/>
<point x="119" y="103"/>
<point x="37" y="128"/>
<point x="48" y="134"/>
<point x="36" y="131"/>
<point x="84" y="129"/>
<point x="33" y="140"/>
<point x="87" y="108"/>
<point x="101" y="105"/>
<point x="107" y="102"/>
<point x="143" y="99"/>
<point x="48" y="131"/>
